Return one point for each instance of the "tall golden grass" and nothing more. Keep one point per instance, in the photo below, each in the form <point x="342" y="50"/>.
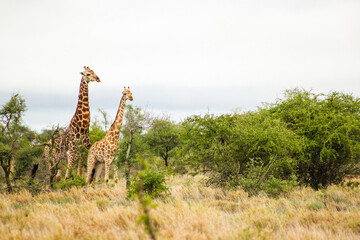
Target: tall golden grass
<point x="193" y="211"/>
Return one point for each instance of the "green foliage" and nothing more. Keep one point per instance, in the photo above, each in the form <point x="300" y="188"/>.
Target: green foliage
<point x="275" y="187"/>
<point x="145" y="199"/>
<point x="154" y="183"/>
<point x="138" y="148"/>
<point x="34" y="187"/>
<point x="304" y="138"/>
<point x="45" y="134"/>
<point x="162" y="138"/>
<point x="132" y="144"/>
<point x="136" y="120"/>
<point x="12" y="111"/>
<point x="5" y="154"/>
<point x="258" y="178"/>
<point x="351" y="184"/>
<point x="149" y="181"/>
<point x="205" y="141"/>
<point x="96" y="132"/>
<point x="330" y="126"/>
<point x="25" y="157"/>
<point x="234" y="147"/>
<point x="77" y="181"/>
<point x="314" y="137"/>
<point x="83" y="151"/>
<point x="11" y="133"/>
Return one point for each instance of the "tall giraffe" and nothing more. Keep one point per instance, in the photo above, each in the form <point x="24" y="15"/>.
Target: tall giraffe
<point x="78" y="130"/>
<point x="103" y="151"/>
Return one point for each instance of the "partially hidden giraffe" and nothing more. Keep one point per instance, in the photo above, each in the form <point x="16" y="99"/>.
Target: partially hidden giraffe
<point x="77" y="132"/>
<point x="103" y="152"/>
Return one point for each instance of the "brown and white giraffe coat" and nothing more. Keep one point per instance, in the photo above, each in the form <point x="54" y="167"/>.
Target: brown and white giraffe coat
<point x="103" y="152"/>
<point x="78" y="129"/>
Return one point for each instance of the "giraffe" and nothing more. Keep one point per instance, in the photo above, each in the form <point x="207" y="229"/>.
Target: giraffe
<point x="102" y="152"/>
<point x="77" y="132"/>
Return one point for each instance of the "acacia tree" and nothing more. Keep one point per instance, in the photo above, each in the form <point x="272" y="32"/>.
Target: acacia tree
<point x="10" y="118"/>
<point x="162" y="138"/>
<point x="132" y="143"/>
<point x="330" y="125"/>
<point x="247" y="150"/>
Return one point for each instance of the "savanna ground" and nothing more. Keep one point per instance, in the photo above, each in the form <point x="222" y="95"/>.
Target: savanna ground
<point x="191" y="211"/>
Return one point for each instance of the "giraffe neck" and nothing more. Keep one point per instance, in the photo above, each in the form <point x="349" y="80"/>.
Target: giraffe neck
<point x="113" y="133"/>
<point x="81" y="118"/>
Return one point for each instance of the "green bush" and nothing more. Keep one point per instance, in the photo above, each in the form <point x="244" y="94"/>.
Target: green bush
<point x="275" y="187"/>
<point x="154" y="183"/>
<point x="330" y="127"/>
<point x="314" y="137"/>
<point x="235" y="148"/>
<point x="77" y="181"/>
<point x="25" y="157"/>
<point x="258" y="178"/>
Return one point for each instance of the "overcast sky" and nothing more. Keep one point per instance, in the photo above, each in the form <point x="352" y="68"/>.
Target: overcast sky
<point x="178" y="57"/>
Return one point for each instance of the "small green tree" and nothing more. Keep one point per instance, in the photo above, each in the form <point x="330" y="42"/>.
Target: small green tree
<point x="144" y="199"/>
<point x="132" y="143"/>
<point x="10" y="123"/>
<point x="152" y="182"/>
<point x="162" y="138"/>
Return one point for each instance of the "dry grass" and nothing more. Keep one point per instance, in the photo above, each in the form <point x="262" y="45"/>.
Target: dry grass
<point x="191" y="212"/>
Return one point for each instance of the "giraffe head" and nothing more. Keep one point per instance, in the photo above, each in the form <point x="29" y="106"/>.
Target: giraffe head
<point x="89" y="75"/>
<point x="127" y="93"/>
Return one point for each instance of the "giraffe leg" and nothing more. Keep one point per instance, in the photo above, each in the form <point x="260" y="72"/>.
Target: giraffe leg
<point x="58" y="175"/>
<point x="116" y="174"/>
<point x="98" y="170"/>
<point x="49" y="160"/>
<point x="46" y="156"/>
<point x="80" y="166"/>
<point x="71" y="162"/>
<point x="107" y="169"/>
<point x="90" y="167"/>
<point x="72" y="156"/>
<point x="67" y="174"/>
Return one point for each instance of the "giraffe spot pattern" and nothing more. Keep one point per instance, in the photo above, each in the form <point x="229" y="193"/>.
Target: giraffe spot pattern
<point x="78" y="127"/>
<point x="103" y="150"/>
